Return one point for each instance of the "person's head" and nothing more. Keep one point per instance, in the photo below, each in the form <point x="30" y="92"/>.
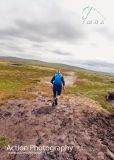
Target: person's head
<point x="58" y="71"/>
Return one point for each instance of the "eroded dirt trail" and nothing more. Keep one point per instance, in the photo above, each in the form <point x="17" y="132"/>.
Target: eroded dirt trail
<point x="77" y="122"/>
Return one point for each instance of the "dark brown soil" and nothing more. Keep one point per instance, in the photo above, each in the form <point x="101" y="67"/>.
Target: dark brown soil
<point x="77" y="121"/>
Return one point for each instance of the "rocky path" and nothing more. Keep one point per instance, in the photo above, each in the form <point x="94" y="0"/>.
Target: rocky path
<point x="77" y="122"/>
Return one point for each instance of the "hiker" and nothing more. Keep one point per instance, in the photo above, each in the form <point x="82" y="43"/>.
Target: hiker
<point x="58" y="85"/>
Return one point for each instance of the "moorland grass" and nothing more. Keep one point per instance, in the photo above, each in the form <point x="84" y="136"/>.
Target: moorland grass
<point x="94" y="85"/>
<point x="15" y="79"/>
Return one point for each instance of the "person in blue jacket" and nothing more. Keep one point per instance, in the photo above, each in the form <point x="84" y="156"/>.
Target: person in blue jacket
<point x="58" y="85"/>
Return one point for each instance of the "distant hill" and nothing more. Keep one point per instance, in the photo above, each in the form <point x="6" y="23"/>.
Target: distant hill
<point x="38" y="62"/>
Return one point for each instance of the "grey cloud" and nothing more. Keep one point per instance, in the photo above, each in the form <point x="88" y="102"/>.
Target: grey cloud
<point x="106" y="33"/>
<point x="62" y="53"/>
<point x="63" y="30"/>
<point x="14" y="32"/>
<point x="11" y="46"/>
<point x="37" y="45"/>
<point x="9" y="33"/>
<point x="41" y="21"/>
<point x="98" y="63"/>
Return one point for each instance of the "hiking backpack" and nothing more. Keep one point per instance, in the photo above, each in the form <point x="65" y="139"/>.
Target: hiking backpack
<point x="58" y="79"/>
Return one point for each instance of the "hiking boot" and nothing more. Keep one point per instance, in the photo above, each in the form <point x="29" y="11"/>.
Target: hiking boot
<point x="56" y="101"/>
<point x="53" y="104"/>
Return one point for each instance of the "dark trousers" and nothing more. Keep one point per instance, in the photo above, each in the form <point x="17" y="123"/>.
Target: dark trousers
<point x="57" y="90"/>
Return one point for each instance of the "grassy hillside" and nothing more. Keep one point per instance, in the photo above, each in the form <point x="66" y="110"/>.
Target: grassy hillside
<point x="94" y="85"/>
<point x="15" y="78"/>
<point x="37" y="62"/>
<point x="18" y="75"/>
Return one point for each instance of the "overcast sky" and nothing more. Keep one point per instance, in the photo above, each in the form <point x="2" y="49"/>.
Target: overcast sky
<point x="53" y="30"/>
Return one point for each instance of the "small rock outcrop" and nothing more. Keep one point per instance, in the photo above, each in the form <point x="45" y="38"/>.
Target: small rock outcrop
<point x="110" y="96"/>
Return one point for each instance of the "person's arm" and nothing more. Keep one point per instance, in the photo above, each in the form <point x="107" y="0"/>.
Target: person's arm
<point x="63" y="81"/>
<point x="53" y="79"/>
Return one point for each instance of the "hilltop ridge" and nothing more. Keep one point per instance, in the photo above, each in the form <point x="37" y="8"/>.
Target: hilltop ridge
<point x="38" y="62"/>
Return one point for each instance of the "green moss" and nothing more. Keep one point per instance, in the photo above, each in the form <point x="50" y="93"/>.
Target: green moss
<point x="4" y="141"/>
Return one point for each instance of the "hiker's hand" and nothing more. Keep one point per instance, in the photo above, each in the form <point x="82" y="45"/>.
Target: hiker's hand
<point x="63" y="88"/>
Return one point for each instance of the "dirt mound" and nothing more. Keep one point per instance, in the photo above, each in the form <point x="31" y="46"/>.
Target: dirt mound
<point x="77" y="122"/>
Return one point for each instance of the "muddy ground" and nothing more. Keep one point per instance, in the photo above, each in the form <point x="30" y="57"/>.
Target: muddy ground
<point x="77" y="121"/>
